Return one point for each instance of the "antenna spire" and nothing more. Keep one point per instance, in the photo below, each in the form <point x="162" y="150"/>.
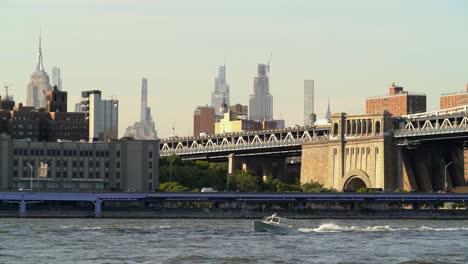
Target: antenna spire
<point x="40" y="65"/>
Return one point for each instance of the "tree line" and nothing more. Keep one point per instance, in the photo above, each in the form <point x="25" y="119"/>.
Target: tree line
<point x="177" y="175"/>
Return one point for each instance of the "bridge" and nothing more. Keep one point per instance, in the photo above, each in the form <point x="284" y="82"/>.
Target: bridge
<point x="352" y="151"/>
<point x="286" y="142"/>
<point x="441" y="124"/>
<point x="24" y="198"/>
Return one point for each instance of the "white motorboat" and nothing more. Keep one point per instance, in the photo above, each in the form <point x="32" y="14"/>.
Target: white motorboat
<point x="273" y="224"/>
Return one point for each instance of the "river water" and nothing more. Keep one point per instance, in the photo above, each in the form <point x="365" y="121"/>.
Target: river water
<point x="230" y="241"/>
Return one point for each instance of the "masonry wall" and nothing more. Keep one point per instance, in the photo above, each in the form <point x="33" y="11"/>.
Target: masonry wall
<point x="315" y="166"/>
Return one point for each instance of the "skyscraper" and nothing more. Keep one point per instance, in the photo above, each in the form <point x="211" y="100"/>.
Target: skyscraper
<point x="39" y="83"/>
<point x="261" y="102"/>
<point x="102" y="115"/>
<point x="308" y="102"/>
<point x="56" y="78"/>
<point x="145" y="129"/>
<point x="220" y="95"/>
<point x="144" y="100"/>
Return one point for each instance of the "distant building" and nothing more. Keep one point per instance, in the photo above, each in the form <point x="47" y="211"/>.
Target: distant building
<point x="56" y="78"/>
<point x="39" y="84"/>
<point x="231" y="124"/>
<point x="309" y="103"/>
<point x="328" y="114"/>
<point x="454" y="99"/>
<point x="261" y="101"/>
<point x="220" y="95"/>
<point x="56" y="100"/>
<point x="398" y="102"/>
<point x="239" y="111"/>
<point x="102" y="115"/>
<point x="144" y="129"/>
<point x="115" y="165"/>
<point x="44" y="124"/>
<point x="204" y="121"/>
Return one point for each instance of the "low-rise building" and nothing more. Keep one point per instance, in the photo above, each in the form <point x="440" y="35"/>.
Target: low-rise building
<point x="115" y="165"/>
<point x="454" y="99"/>
<point x="233" y="123"/>
<point x="398" y="102"/>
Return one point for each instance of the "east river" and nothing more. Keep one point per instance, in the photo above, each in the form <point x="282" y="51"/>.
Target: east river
<point x="230" y="241"/>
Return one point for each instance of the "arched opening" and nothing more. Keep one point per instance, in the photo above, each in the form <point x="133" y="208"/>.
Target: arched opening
<point x="335" y="129"/>
<point x="359" y="127"/>
<point x="353" y="127"/>
<point x="369" y="126"/>
<point x="354" y="184"/>
<point x="348" y="127"/>
<point x="377" y="127"/>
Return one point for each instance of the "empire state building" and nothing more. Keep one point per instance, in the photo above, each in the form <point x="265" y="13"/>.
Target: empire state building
<point x="39" y="84"/>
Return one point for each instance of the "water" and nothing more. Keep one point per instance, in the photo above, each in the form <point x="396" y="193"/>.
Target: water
<point x="230" y="241"/>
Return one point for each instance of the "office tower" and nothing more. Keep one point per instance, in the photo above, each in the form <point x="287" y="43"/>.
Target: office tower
<point x="308" y="102"/>
<point x="204" y="121"/>
<point x="39" y="84"/>
<point x="102" y="115"/>
<point x="144" y="99"/>
<point x="261" y="102"/>
<point x="145" y="128"/>
<point x="398" y="102"/>
<point x="56" y="78"/>
<point x="220" y="95"/>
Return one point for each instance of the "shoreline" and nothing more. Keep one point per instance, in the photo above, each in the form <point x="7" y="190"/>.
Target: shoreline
<point x="205" y="213"/>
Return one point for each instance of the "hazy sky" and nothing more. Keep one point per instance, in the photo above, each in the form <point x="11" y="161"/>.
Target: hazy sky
<point x="352" y="49"/>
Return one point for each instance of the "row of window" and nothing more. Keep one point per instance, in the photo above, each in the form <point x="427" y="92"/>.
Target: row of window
<point x="65" y="152"/>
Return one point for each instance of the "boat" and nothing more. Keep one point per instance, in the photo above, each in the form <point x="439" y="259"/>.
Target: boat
<point x="273" y="224"/>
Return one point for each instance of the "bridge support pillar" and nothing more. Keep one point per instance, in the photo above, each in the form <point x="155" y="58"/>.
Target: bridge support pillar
<point x="22" y="208"/>
<point x="97" y="208"/>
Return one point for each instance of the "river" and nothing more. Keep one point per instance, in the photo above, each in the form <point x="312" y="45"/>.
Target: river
<point x="230" y="241"/>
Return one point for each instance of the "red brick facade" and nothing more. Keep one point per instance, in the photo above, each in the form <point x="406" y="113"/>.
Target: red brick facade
<point x="398" y="102"/>
<point x="454" y="100"/>
<point x="204" y="121"/>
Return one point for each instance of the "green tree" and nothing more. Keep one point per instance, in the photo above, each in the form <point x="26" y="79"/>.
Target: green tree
<point x="172" y="187"/>
<point x="313" y="187"/>
<point x="242" y="180"/>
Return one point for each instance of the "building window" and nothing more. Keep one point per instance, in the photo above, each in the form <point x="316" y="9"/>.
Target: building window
<point x="150" y="164"/>
<point x="117" y="164"/>
<point x="117" y="175"/>
<point x="118" y="154"/>
<point x="150" y="154"/>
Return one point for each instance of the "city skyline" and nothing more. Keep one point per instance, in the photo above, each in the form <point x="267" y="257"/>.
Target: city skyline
<point x="383" y="51"/>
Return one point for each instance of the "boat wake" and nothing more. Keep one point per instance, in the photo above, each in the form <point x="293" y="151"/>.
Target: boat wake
<point x="333" y="228"/>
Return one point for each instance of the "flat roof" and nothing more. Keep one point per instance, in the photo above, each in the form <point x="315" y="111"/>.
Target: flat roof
<point x="396" y="95"/>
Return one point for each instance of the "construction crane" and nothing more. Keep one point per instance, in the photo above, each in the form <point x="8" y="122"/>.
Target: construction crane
<point x="7" y="85"/>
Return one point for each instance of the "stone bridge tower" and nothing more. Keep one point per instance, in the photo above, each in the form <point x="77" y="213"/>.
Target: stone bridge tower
<point x="359" y="152"/>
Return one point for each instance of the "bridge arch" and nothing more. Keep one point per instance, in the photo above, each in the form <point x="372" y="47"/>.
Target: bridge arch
<point x="356" y="179"/>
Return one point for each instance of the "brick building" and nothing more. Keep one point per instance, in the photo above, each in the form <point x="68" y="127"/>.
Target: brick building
<point x="53" y="123"/>
<point x="398" y="102"/>
<point x="454" y="99"/>
<point x="56" y="100"/>
<point x="204" y="121"/>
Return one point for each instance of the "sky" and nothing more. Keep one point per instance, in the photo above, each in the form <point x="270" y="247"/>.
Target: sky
<point x="352" y="49"/>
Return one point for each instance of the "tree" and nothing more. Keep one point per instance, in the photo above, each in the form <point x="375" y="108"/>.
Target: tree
<point x="242" y="180"/>
<point x="193" y="174"/>
<point x="172" y="187"/>
<point x="313" y="187"/>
